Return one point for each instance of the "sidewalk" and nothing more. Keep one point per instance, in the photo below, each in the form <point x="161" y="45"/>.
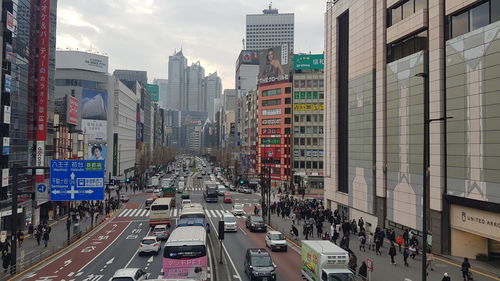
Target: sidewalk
<point x="31" y="253"/>
<point x="382" y="266"/>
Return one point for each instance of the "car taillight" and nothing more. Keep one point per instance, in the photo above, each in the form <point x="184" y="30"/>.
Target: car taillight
<point x="164" y="232"/>
<point x="156" y="244"/>
<point x="140" y="245"/>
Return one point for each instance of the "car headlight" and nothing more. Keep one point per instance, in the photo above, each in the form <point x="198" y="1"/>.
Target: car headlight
<point x="253" y="224"/>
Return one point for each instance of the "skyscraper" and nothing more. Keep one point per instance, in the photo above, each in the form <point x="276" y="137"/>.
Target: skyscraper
<point x="131" y="75"/>
<point x="163" y="84"/>
<point x="194" y="99"/>
<point x="269" y="29"/>
<point x="213" y="90"/>
<point x="176" y="81"/>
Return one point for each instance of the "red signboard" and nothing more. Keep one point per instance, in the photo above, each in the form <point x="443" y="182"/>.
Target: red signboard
<point x="43" y="85"/>
<point x="10" y="21"/>
<point x="72" y="112"/>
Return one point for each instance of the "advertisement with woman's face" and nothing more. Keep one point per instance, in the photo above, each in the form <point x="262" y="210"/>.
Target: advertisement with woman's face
<point x="97" y="152"/>
<point x="274" y="64"/>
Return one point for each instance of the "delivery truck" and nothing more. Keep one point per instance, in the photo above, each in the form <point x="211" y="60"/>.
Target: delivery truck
<point x="324" y="261"/>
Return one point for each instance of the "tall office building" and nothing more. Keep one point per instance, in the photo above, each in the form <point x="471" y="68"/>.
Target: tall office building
<point x="194" y="100"/>
<point x="163" y="85"/>
<point x="213" y="90"/>
<point x="131" y="75"/>
<point x="382" y="59"/>
<point x="269" y="29"/>
<point x="176" y="80"/>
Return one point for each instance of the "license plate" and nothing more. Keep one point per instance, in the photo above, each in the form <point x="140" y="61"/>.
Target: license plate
<point x="277" y="247"/>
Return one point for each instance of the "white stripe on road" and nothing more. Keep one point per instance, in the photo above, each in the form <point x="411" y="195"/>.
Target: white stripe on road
<point x="122" y="212"/>
<point x="219" y="213"/>
<point x="208" y="213"/>
<point x="174" y="213"/>
<point x="212" y="212"/>
<point x="133" y="212"/>
<point x="143" y="212"/>
<point x="128" y="212"/>
<point x="147" y="214"/>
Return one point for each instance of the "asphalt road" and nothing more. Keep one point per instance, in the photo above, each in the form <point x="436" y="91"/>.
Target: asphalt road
<point x="114" y="245"/>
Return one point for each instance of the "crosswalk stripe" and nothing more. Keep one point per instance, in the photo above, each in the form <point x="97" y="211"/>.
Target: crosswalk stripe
<point x="147" y="213"/>
<point x="212" y="213"/>
<point x="128" y="212"/>
<point x="174" y="213"/>
<point x="208" y="213"/>
<point x="133" y="212"/>
<point x="122" y="212"/>
<point x="143" y="212"/>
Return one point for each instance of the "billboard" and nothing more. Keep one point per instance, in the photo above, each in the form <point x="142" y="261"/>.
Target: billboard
<point x="94" y="129"/>
<point x="81" y="60"/>
<point x="248" y="57"/>
<point x="72" y="110"/>
<point x="97" y="151"/>
<point x="270" y="112"/>
<point x="274" y="64"/>
<point x="94" y="104"/>
<point x="308" y="61"/>
<point x="308" y="107"/>
<point x="154" y="91"/>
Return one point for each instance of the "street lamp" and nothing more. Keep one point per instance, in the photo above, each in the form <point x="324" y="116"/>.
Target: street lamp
<point x="426" y="166"/>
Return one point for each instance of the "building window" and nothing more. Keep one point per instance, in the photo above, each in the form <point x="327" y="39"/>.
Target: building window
<point x="473" y="18"/>
<point x="308" y="165"/>
<point x="288" y="90"/>
<point x="315" y="164"/>
<point x="315" y="83"/>
<point x="403" y="10"/>
<point x="343" y="101"/>
<point x="302" y="164"/>
<point x="288" y="101"/>
<point x="296" y="118"/>
<point x="302" y="141"/>
<point x="315" y="141"/>
<point x="271" y="102"/>
<point x="296" y="164"/>
<point x="272" y="92"/>
<point x="288" y="120"/>
<point x="288" y="110"/>
<point x="296" y="141"/>
<point x="407" y="46"/>
<point x="302" y="83"/>
<point x="296" y="83"/>
<point x="288" y="131"/>
<point x="320" y="164"/>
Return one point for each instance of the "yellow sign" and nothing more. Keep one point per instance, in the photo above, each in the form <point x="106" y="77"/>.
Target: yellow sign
<point x="308" y="106"/>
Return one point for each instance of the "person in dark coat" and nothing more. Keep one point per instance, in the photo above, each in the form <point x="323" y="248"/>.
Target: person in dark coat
<point x="392" y="253"/>
<point x="6" y="260"/>
<point x="45" y="238"/>
<point x="335" y="236"/>
<point x="446" y="277"/>
<point x="363" y="270"/>
<point x="406" y="254"/>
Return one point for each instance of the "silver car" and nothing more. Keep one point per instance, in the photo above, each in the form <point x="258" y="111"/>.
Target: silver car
<point x="161" y="232"/>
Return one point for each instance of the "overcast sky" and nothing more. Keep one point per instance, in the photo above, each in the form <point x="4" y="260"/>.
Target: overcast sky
<point x="141" y="34"/>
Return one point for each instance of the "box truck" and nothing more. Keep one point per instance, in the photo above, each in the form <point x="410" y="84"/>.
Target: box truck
<point x="324" y="261"/>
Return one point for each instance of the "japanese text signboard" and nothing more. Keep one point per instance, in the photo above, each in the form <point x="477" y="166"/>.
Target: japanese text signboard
<point x="43" y="86"/>
<point x="76" y="180"/>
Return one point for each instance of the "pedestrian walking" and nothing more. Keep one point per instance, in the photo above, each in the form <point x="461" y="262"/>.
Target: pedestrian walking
<point x="370" y="242"/>
<point x="20" y="238"/>
<point x="332" y="229"/>
<point x="45" y="238"/>
<point x="446" y="277"/>
<point x="362" y="243"/>
<point x="38" y="236"/>
<point x="406" y="254"/>
<point x="353" y="262"/>
<point x="392" y="253"/>
<point x="465" y="269"/>
<point x="319" y="228"/>
<point x="335" y="236"/>
<point x="6" y="257"/>
<point x="361" y="223"/>
<point x="400" y="242"/>
<point x="293" y="217"/>
<point x="363" y="270"/>
<point x="378" y="244"/>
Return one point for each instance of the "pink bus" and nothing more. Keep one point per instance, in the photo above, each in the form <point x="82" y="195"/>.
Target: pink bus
<point x="185" y="254"/>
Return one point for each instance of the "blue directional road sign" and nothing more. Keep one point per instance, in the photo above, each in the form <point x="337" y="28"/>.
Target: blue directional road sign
<point x="76" y="180"/>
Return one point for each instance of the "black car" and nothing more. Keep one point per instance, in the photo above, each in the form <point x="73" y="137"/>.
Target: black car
<point x="255" y="223"/>
<point x="259" y="265"/>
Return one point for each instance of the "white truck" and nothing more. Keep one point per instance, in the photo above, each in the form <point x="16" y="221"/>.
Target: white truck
<point x="154" y="181"/>
<point x="324" y="261"/>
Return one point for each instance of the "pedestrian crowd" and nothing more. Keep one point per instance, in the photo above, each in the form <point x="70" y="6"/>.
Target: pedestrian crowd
<point x="312" y="215"/>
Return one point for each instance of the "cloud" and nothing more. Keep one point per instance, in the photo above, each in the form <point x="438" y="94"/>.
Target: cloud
<point x="141" y="34"/>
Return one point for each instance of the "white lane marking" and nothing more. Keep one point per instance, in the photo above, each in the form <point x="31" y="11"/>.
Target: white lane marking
<point x="210" y="260"/>
<point x="127" y="213"/>
<point x="225" y="250"/>
<point x="122" y="212"/>
<point x="176" y="212"/>
<point x="147" y="214"/>
<point x="134" y="213"/>
<point x="214" y="214"/>
<point x="71" y="274"/>
<point x="244" y="232"/>
<point x="134" y="255"/>
<point x="208" y="213"/>
<point x="219" y="213"/>
<point x="143" y="212"/>
<point x="104" y="250"/>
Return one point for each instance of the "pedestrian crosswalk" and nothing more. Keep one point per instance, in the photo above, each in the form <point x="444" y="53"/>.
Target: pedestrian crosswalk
<point x="174" y="213"/>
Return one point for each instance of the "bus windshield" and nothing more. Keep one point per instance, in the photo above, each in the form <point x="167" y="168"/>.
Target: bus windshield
<point x="184" y="252"/>
<point x="159" y="207"/>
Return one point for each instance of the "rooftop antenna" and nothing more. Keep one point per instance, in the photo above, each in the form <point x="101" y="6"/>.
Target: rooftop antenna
<point x="270" y="5"/>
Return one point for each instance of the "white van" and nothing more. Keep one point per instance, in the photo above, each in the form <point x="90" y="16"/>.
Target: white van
<point x="229" y="222"/>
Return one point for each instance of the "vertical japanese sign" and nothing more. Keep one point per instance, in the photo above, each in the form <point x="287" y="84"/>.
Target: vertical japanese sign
<point x="115" y="154"/>
<point x="43" y="86"/>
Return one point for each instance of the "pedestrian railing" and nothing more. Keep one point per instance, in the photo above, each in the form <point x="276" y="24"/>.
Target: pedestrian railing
<point x="25" y="262"/>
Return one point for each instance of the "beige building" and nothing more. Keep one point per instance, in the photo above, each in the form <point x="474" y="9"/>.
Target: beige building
<point x="374" y="53"/>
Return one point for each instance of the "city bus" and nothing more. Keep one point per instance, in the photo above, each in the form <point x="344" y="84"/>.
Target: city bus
<point x="193" y="210"/>
<point x="185" y="254"/>
<point x="160" y="211"/>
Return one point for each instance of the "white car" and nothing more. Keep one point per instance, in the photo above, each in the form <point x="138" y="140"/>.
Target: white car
<point x="229" y="222"/>
<point x="238" y="210"/>
<point x="131" y="274"/>
<point x="160" y="231"/>
<point x="150" y="244"/>
<point x="276" y="241"/>
<point x="185" y="202"/>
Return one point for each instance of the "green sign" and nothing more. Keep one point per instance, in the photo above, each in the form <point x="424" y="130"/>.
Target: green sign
<point x="154" y="91"/>
<point x="308" y="61"/>
<point x="271" y="141"/>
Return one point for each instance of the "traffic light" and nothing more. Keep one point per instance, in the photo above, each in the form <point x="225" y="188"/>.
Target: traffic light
<point x="127" y="180"/>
